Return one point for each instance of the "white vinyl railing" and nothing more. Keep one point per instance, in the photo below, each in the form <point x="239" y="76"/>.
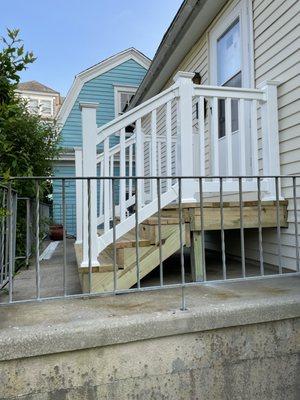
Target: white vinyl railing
<point x="227" y="94"/>
<point x="240" y="152"/>
<point x="165" y="137"/>
<point x="120" y="160"/>
<point x="139" y="153"/>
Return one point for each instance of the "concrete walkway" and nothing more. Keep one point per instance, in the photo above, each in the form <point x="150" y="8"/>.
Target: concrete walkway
<point x="51" y="276"/>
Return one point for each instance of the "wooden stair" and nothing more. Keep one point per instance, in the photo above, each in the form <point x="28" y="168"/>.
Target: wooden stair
<point x="149" y="254"/>
<point x="126" y="270"/>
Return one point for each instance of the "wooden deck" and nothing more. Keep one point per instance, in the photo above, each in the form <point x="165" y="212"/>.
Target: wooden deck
<point x="231" y="215"/>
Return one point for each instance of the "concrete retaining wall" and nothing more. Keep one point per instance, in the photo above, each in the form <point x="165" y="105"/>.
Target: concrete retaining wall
<point x="257" y="361"/>
<point x="236" y="341"/>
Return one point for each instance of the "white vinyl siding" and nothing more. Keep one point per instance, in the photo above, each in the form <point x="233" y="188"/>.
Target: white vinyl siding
<point x="276" y="44"/>
<point x="277" y="57"/>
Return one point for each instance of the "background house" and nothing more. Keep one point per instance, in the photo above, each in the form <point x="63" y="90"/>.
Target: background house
<point x="111" y="84"/>
<point x="41" y="99"/>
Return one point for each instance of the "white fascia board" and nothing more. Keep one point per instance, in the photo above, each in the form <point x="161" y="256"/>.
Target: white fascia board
<point x="37" y="94"/>
<point x="194" y="18"/>
<point x="93" y="72"/>
<point x="125" y="86"/>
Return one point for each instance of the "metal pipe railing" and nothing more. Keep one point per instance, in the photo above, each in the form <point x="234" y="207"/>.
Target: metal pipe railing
<point x="262" y="267"/>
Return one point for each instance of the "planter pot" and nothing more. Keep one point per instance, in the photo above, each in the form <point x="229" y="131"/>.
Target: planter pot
<point x="56" y="232"/>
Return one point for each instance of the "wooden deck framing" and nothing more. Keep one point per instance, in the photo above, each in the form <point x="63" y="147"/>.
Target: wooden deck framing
<point x="230" y="215"/>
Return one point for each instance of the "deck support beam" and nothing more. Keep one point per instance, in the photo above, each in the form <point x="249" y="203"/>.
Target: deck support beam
<point x="196" y="257"/>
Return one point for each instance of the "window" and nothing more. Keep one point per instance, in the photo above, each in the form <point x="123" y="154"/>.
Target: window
<point x="45" y="107"/>
<point x="229" y="71"/>
<point x="124" y="101"/>
<point x="230" y="63"/>
<point x="40" y="106"/>
<point x="123" y="96"/>
<point x="229" y="55"/>
<point x="33" y="106"/>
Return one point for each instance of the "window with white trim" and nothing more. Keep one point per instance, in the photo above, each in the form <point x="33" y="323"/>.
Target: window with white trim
<point x="230" y="56"/>
<point x="33" y="106"/>
<point x="123" y="96"/>
<point x="39" y="105"/>
<point x="46" y="107"/>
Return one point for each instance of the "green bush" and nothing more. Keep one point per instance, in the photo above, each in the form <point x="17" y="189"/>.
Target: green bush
<point x="28" y="144"/>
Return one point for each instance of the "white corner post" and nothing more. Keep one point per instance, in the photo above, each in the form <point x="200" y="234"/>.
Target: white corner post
<point x="79" y="193"/>
<point x="89" y="169"/>
<point x="185" y="138"/>
<point x="270" y="134"/>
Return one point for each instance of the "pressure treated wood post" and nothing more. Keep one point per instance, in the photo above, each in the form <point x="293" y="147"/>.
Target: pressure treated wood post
<point x="196" y="257"/>
<point x="89" y="169"/>
<point x="185" y="139"/>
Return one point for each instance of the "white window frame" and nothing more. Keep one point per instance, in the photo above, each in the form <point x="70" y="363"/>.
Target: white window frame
<point x="121" y="89"/>
<point x="41" y="105"/>
<point x="39" y="99"/>
<point x="239" y="9"/>
<point x="30" y="108"/>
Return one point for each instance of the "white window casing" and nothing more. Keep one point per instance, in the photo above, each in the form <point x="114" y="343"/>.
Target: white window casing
<point x="122" y="95"/>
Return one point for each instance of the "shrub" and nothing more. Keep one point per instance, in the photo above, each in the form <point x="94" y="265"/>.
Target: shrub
<point x="28" y="144"/>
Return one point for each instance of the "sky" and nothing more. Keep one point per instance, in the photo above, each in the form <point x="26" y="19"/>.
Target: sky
<point x="68" y="36"/>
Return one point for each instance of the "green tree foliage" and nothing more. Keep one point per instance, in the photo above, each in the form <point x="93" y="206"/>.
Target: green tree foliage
<point x="28" y="144"/>
<point x="13" y="60"/>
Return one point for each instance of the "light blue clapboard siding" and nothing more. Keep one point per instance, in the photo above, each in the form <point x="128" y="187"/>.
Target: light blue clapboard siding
<point x="99" y="90"/>
<point x="70" y="198"/>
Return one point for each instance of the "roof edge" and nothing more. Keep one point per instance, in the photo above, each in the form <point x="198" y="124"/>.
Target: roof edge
<point x="96" y="70"/>
<point x="190" y="21"/>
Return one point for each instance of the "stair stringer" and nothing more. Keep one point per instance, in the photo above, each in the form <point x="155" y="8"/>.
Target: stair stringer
<point x="129" y="223"/>
<point x="149" y="260"/>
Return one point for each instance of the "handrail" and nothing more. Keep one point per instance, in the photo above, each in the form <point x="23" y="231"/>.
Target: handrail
<point x="229" y="92"/>
<point x="138" y="112"/>
<point x="116" y="148"/>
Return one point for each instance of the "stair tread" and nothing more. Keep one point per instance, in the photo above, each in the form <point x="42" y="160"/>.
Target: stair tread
<point x="123" y="244"/>
<point x="163" y="221"/>
<point x="128" y="240"/>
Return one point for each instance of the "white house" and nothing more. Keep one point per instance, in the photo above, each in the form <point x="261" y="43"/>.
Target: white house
<point x="221" y="98"/>
<point x="40" y="98"/>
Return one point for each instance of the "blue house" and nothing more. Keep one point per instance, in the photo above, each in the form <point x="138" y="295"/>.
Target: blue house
<point x="110" y="83"/>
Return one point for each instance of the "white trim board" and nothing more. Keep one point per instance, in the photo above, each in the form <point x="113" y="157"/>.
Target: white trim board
<point x="94" y="71"/>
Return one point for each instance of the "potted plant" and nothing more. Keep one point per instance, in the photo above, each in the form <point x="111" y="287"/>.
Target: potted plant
<point x="56" y="232"/>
